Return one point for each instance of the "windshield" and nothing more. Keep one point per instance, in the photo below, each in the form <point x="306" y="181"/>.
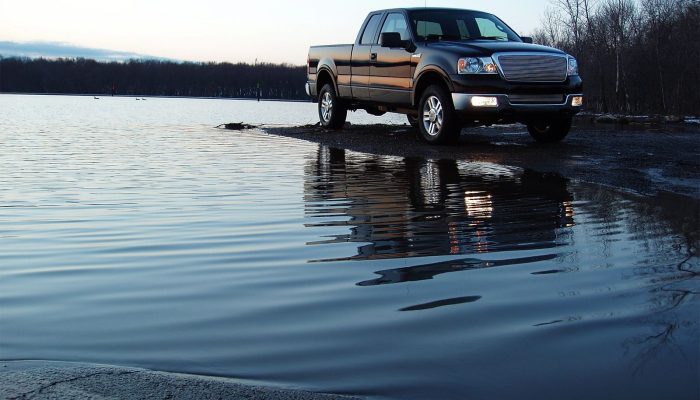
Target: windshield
<point x="459" y="25"/>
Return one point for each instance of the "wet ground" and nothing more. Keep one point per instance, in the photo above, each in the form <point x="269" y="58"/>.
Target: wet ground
<point x="643" y="159"/>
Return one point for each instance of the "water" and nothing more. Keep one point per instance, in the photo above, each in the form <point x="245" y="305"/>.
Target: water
<point x="133" y="233"/>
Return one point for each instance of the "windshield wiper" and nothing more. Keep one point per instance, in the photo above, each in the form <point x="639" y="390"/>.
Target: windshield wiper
<point x="442" y="37"/>
<point x="487" y="38"/>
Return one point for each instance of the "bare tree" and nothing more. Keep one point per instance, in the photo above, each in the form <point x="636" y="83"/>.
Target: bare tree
<point x="573" y="12"/>
<point x="634" y="55"/>
<point x="551" y="30"/>
<point x="657" y="16"/>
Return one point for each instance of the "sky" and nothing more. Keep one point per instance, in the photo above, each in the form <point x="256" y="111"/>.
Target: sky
<point x="214" y="30"/>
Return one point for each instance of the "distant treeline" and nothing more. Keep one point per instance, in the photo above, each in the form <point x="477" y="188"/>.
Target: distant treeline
<point x="634" y="56"/>
<point x="152" y="78"/>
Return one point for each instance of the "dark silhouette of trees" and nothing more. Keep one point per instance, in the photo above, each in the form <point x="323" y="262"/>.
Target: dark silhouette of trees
<point x="634" y="56"/>
<point x="152" y="78"/>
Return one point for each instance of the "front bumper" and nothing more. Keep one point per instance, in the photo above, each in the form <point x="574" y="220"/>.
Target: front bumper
<point x="507" y="109"/>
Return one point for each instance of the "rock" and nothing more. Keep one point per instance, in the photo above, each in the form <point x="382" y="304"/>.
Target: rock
<point x="607" y="119"/>
<point x="236" y="126"/>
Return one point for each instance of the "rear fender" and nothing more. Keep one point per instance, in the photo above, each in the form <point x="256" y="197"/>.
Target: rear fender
<point x="327" y="65"/>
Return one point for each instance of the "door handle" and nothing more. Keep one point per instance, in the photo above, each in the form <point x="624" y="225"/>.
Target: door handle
<point x="373" y="57"/>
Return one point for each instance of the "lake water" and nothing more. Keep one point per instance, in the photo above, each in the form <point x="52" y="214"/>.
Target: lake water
<point x="134" y="233"/>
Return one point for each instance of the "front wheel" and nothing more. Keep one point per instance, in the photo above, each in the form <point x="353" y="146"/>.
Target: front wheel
<point x="438" y="122"/>
<point x="331" y="111"/>
<point x="550" y="130"/>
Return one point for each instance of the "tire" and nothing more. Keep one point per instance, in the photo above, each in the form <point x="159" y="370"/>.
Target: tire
<point x="550" y="131"/>
<point x="413" y="121"/>
<point x="331" y="112"/>
<point x="438" y="122"/>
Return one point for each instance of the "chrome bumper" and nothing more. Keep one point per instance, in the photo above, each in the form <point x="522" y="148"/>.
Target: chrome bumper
<point x="463" y="103"/>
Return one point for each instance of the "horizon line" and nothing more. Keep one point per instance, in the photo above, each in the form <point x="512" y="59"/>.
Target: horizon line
<point x="53" y="50"/>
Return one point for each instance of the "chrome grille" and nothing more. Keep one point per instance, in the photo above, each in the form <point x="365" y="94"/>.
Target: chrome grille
<point x="536" y="98"/>
<point x="532" y="67"/>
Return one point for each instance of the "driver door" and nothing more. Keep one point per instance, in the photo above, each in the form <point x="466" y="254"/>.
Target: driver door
<point x="391" y="73"/>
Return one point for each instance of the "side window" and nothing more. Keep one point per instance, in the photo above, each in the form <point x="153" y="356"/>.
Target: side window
<point x="489" y="28"/>
<point x="396" y="22"/>
<point x="370" y="30"/>
<point x="427" y="28"/>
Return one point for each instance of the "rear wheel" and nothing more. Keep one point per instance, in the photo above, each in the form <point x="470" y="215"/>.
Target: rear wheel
<point x="438" y="122"/>
<point x="550" y="130"/>
<point x="331" y="111"/>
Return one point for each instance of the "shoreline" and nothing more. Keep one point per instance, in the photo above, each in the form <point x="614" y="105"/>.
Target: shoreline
<point x="610" y="118"/>
<point x="38" y="379"/>
<point x="650" y="164"/>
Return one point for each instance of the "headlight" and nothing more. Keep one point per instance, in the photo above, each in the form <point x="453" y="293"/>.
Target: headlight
<point x="573" y="67"/>
<point x="476" y="65"/>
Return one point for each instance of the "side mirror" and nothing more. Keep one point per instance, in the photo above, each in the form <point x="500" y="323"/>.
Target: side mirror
<point x="391" y="39"/>
<point x="526" y="39"/>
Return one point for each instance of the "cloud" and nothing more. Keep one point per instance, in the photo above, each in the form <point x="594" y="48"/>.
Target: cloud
<point x="66" y="50"/>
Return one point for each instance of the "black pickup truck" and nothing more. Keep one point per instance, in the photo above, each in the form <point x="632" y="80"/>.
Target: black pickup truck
<point x="446" y="69"/>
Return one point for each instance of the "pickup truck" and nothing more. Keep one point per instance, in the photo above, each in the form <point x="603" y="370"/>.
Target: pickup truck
<point x="446" y="69"/>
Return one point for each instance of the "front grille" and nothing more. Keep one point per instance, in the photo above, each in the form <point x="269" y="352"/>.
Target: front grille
<point x="536" y="98"/>
<point x="532" y="67"/>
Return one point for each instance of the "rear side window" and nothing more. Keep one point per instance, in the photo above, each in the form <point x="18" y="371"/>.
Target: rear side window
<point x="370" y="30"/>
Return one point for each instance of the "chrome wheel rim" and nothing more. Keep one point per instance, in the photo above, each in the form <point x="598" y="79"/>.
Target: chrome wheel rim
<point x="326" y="107"/>
<point x="433" y="116"/>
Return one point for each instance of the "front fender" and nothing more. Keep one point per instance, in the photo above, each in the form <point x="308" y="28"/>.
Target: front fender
<point x="422" y="71"/>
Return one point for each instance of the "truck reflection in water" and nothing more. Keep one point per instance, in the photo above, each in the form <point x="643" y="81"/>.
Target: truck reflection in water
<point x="625" y="278"/>
<point x="416" y="207"/>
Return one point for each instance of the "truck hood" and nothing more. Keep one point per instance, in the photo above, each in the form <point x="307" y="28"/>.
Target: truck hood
<point x="488" y="47"/>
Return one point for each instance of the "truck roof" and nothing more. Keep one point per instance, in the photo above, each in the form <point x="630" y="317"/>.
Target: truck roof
<point x="424" y="9"/>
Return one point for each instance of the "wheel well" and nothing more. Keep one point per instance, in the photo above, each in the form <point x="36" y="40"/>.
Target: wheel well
<point x="324" y="77"/>
<point x="425" y="80"/>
